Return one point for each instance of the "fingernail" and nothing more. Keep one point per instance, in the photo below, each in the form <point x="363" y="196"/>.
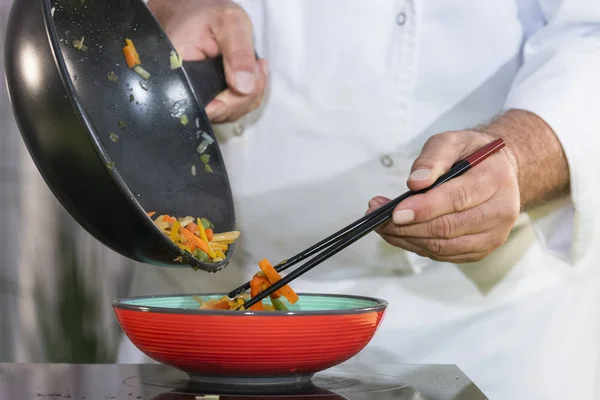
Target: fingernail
<point x="420" y="175"/>
<point x="245" y="81"/>
<point x="403" y="216"/>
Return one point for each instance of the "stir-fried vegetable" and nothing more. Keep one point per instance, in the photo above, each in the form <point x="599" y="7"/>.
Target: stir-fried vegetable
<point x="78" y="44"/>
<point x="194" y="236"/>
<point x="112" y="76"/>
<point x="142" y="72"/>
<point x="260" y="282"/>
<point x="132" y="58"/>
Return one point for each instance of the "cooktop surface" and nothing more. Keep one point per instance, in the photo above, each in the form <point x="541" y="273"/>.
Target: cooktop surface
<point x="159" y="382"/>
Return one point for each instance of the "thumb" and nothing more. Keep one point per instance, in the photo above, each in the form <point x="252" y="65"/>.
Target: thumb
<point x="438" y="155"/>
<point x="233" y="33"/>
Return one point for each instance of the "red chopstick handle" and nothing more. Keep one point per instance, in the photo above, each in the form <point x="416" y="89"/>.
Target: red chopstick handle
<point x="485" y="152"/>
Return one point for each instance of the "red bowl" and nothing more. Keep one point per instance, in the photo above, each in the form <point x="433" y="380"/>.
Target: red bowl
<point x="319" y="332"/>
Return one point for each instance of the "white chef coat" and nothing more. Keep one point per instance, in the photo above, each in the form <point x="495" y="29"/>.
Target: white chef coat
<point x="356" y="87"/>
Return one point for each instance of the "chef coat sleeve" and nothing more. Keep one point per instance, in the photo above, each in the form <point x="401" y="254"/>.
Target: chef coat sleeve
<point x="560" y="82"/>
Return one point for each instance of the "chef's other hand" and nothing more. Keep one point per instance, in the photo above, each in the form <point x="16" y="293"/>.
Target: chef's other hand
<point x="207" y="28"/>
<point x="466" y="218"/>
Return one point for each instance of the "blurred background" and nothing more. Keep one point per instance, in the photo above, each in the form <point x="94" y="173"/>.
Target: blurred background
<point x="57" y="282"/>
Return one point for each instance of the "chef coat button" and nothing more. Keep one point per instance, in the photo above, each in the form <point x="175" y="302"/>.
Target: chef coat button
<point x="387" y="161"/>
<point x="238" y="128"/>
<point x="401" y="18"/>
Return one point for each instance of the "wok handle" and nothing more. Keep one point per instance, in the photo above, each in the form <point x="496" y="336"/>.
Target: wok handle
<point x="207" y="77"/>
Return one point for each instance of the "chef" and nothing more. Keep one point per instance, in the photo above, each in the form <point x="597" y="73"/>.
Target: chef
<point x="351" y="102"/>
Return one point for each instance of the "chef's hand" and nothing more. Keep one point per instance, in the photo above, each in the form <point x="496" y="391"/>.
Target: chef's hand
<point x="207" y="28"/>
<point x="464" y="219"/>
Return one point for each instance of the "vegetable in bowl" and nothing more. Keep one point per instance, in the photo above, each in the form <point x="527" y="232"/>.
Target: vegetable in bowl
<point x="261" y="281"/>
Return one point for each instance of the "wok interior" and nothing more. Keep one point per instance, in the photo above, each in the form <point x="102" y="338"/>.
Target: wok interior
<point x="136" y="122"/>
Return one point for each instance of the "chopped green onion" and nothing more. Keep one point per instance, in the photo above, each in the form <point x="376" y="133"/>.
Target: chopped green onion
<point x="208" y="168"/>
<point x="175" y="60"/>
<point x="111" y="165"/>
<point x="202" y="147"/>
<point x="142" y="72"/>
<point x="183" y="119"/>
<point x="112" y="76"/>
<point x="78" y="44"/>
<point x="205" y="158"/>
<point x="113" y="137"/>
<point x="193" y="170"/>
<point x="121" y="123"/>
<point x="131" y="98"/>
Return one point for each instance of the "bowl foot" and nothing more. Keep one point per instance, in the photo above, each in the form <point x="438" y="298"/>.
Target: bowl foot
<point x="252" y="380"/>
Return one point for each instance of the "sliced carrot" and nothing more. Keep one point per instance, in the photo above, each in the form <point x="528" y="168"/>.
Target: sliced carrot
<point x="273" y="276"/>
<point x="129" y="43"/>
<point x="209" y="234"/>
<point x="130" y="59"/>
<point x="192" y="227"/>
<point x="201" y="244"/>
<point x="262" y="283"/>
<point x="255" y="286"/>
<point x="151" y="213"/>
<point x="169" y="219"/>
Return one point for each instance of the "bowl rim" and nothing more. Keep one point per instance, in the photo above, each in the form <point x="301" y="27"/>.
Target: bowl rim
<point x="379" y="305"/>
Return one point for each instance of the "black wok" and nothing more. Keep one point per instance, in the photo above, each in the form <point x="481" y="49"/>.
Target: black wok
<point x="69" y="113"/>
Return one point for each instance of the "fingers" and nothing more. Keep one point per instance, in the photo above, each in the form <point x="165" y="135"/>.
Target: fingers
<point x="229" y="106"/>
<point x="234" y="35"/>
<point x="438" y="155"/>
<point x="455" y="196"/>
<point x="457" y="251"/>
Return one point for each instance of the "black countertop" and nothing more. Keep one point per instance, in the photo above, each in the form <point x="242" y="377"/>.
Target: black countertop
<point x="159" y="382"/>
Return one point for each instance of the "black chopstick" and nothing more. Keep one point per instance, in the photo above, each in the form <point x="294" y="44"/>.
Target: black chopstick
<point x="368" y="223"/>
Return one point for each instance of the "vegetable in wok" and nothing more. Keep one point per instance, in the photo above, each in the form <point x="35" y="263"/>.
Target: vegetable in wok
<point x="196" y="236"/>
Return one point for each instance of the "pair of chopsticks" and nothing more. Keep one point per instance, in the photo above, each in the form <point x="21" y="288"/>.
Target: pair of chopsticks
<point x="356" y="230"/>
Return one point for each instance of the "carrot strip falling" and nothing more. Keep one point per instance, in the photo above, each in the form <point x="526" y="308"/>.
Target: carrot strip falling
<point x="151" y="214"/>
<point x="273" y="276"/>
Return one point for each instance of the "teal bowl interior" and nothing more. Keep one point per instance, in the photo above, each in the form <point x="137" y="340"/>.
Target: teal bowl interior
<point x="308" y="303"/>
